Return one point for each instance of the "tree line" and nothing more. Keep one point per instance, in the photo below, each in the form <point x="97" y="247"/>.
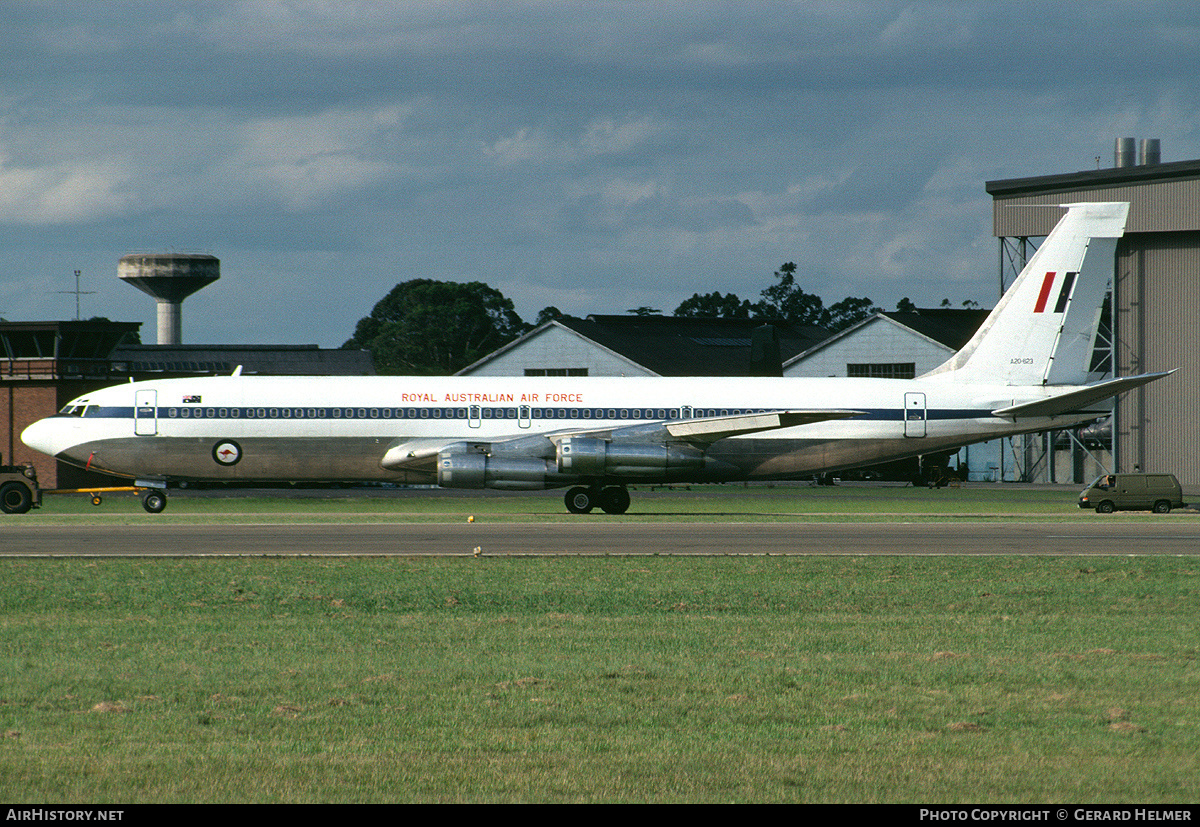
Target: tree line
<point x="424" y="327"/>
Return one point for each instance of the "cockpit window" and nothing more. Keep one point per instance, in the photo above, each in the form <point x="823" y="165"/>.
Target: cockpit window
<point x="71" y="409"/>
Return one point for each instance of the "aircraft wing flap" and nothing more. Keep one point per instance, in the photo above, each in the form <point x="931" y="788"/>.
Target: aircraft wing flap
<point x="710" y="429"/>
<point x="1076" y="399"/>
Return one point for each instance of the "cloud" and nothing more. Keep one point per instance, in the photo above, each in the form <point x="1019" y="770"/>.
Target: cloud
<point x="602" y="137"/>
<point x="596" y="156"/>
<point x="62" y="193"/>
<point x="934" y="26"/>
<point x="304" y="161"/>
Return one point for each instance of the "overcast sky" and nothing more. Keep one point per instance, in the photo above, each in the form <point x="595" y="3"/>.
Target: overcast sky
<point x="594" y="156"/>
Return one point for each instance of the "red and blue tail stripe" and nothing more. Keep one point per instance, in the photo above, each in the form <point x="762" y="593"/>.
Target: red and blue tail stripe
<point x="1064" y="293"/>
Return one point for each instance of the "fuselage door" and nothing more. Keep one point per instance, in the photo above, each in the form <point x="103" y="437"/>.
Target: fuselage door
<point x="524" y="416"/>
<point x="145" y="413"/>
<point x="914" y="414"/>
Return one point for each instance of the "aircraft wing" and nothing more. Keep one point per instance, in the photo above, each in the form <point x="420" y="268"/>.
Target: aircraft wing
<point x="422" y="454"/>
<point x="707" y="430"/>
<point x="1076" y="399"/>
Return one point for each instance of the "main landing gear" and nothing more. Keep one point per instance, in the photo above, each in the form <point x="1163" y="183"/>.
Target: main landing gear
<point x="611" y="500"/>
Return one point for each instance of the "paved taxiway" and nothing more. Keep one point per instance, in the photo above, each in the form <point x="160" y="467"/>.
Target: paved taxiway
<point x="1169" y="535"/>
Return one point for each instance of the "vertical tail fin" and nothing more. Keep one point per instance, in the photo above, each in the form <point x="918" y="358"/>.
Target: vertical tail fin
<point x="1043" y="329"/>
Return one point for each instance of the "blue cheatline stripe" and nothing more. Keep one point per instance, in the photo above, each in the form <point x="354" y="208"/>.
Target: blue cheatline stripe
<point x="608" y="416"/>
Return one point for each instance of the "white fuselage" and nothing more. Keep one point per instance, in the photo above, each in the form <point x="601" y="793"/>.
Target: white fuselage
<point x="240" y="428"/>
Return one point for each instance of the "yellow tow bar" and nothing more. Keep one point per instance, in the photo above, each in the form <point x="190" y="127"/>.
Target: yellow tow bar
<point x="158" y="503"/>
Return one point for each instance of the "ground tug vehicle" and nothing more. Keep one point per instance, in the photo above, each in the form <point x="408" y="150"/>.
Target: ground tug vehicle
<point x="19" y="490"/>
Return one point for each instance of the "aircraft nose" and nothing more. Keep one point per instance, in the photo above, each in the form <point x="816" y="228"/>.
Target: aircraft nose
<point x="42" y="436"/>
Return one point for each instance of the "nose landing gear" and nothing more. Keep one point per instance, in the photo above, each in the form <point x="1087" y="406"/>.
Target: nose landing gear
<point x="154" y="501"/>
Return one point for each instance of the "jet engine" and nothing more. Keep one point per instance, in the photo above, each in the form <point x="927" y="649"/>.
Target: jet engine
<point x="589" y="457"/>
<point x="470" y="470"/>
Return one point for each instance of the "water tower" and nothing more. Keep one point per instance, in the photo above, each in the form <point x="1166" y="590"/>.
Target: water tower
<point x="169" y="278"/>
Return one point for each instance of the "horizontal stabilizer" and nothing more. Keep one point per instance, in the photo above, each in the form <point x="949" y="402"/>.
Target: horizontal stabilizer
<point x="1074" y="400"/>
<point x="710" y="429"/>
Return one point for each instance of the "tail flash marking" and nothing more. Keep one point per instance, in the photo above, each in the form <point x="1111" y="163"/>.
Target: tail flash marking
<point x="1047" y="283"/>
<point x="1065" y="294"/>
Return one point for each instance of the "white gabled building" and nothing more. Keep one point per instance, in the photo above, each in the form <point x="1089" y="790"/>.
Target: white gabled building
<point x="890" y="345"/>
<point x="555" y="349"/>
<point x="641" y="346"/>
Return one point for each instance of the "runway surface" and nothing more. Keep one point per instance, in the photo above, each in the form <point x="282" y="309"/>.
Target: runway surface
<point x="1165" y="536"/>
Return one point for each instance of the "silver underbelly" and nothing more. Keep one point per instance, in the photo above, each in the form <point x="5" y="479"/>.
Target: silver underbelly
<point x="326" y="458"/>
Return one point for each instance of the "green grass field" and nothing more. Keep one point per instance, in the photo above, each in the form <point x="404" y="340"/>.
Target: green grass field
<point x="940" y="680"/>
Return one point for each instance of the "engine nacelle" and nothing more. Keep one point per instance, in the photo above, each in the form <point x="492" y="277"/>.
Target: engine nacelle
<point x="470" y="470"/>
<point x="589" y="457"/>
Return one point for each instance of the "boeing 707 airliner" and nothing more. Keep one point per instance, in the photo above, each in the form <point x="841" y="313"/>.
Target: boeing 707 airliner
<point x="1025" y="370"/>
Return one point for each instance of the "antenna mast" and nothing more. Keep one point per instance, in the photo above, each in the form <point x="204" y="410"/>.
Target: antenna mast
<point x="77" y="293"/>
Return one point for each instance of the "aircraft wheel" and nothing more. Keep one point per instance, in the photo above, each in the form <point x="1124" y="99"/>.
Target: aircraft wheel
<point x="15" y="498"/>
<point x="1162" y="507"/>
<point x="154" y="501"/>
<point x="579" y="500"/>
<point x="1105" y="507"/>
<point x="97" y="499"/>
<point x="614" y="500"/>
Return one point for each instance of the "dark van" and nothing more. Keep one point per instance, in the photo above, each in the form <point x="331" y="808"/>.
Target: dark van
<point x="1133" y="492"/>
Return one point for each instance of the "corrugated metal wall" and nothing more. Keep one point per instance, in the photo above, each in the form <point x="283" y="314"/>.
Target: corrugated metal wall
<point x="1157" y="298"/>
<point x="1166" y="206"/>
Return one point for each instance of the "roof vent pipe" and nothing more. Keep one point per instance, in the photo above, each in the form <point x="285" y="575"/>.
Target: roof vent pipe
<point x="1149" y="152"/>
<point x="1124" y="153"/>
